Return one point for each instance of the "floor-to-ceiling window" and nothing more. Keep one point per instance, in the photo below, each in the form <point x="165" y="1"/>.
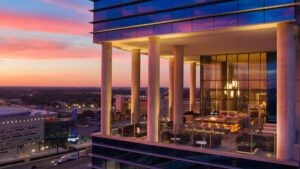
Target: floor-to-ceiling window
<point x="239" y="82"/>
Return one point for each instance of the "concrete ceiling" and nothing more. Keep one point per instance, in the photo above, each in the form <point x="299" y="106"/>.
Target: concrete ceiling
<point x="222" y="41"/>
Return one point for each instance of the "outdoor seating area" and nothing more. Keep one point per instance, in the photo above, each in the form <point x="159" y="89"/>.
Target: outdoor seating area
<point x="265" y="142"/>
<point x="225" y="131"/>
<point x="246" y="147"/>
<point x="138" y="130"/>
<point x="220" y="132"/>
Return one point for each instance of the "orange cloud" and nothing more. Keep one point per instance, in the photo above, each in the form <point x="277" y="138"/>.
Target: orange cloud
<point x="67" y="79"/>
<point x="43" y="23"/>
<point x="14" y="47"/>
<point x="24" y="48"/>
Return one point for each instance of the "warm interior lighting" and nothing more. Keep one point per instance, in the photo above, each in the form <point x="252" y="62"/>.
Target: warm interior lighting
<point x="212" y="118"/>
<point x="138" y="130"/>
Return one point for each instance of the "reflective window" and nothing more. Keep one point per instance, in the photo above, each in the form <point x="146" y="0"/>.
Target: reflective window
<point x="248" y="4"/>
<point x="100" y="4"/>
<point x="254" y="66"/>
<point x="263" y="68"/>
<point x="163" y="28"/>
<point x="243" y="66"/>
<point x="277" y="2"/>
<point x="100" y="26"/>
<point x="271" y="87"/>
<point x="185" y="26"/>
<point x="177" y="3"/>
<point x="114" y="13"/>
<point x="279" y="14"/>
<point x="226" y="7"/>
<point x="129" y="33"/>
<point x="203" y="10"/>
<point x="100" y="15"/>
<point x="247" y="18"/>
<point x="114" y="24"/>
<point x="145" y="7"/>
<point x="126" y="1"/>
<point x="164" y="16"/>
<point x="129" y="10"/>
<point x="145" y="31"/>
<point x="97" y="162"/>
<point x="114" y="2"/>
<point x="251" y="18"/>
<point x="235" y="81"/>
<point x="161" y="5"/>
<point x="99" y="37"/>
<point x="114" y="35"/>
<point x="128" y="22"/>
<point x="144" y="19"/>
<point x="184" y="13"/>
<point x="202" y="24"/>
<point x="225" y="21"/>
<point x="202" y="1"/>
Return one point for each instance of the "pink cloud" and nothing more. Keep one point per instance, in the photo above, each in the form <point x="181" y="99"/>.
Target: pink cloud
<point x="15" y="47"/>
<point x="63" y="79"/>
<point x="14" y="44"/>
<point x="43" y="23"/>
<point x="22" y="48"/>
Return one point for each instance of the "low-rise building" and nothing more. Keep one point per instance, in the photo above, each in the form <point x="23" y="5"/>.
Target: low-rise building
<point x="22" y="129"/>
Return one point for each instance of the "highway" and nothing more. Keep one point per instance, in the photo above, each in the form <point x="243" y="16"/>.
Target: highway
<point x="81" y="163"/>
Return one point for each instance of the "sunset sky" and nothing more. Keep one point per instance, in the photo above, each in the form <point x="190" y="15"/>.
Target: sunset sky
<point x="47" y="43"/>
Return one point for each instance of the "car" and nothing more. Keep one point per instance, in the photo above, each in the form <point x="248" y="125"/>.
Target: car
<point x="64" y="158"/>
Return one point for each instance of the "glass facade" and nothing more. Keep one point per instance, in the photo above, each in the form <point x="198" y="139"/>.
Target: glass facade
<point x="236" y="82"/>
<point x="182" y="16"/>
<point x="112" y="153"/>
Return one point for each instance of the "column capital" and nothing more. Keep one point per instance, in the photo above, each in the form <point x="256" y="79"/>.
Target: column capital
<point x="135" y="50"/>
<point x="287" y="23"/>
<point x="154" y="38"/>
<point x="106" y="43"/>
<point x="179" y="46"/>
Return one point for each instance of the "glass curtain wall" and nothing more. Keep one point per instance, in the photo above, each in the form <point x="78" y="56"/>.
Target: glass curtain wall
<point x="239" y="82"/>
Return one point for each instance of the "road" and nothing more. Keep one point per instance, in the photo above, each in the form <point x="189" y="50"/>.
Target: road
<point x="81" y="163"/>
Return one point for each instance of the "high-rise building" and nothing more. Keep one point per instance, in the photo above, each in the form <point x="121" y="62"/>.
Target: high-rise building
<point x="246" y="54"/>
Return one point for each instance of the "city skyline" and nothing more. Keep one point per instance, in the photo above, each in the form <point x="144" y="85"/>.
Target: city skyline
<point x="47" y="43"/>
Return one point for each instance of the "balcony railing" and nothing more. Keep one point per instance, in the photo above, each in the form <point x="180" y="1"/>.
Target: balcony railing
<point x="235" y="138"/>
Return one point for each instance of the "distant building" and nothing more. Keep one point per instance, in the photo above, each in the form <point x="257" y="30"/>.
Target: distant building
<point x="22" y="129"/>
<point x="122" y="103"/>
<point x="56" y="132"/>
<point x="187" y="106"/>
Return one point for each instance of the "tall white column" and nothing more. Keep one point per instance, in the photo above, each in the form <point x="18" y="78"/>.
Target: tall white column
<point x="153" y="89"/>
<point x="106" y="76"/>
<point x="135" y="85"/>
<point x="178" y="86"/>
<point x="171" y="87"/>
<point x="286" y="86"/>
<point x="192" y="85"/>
